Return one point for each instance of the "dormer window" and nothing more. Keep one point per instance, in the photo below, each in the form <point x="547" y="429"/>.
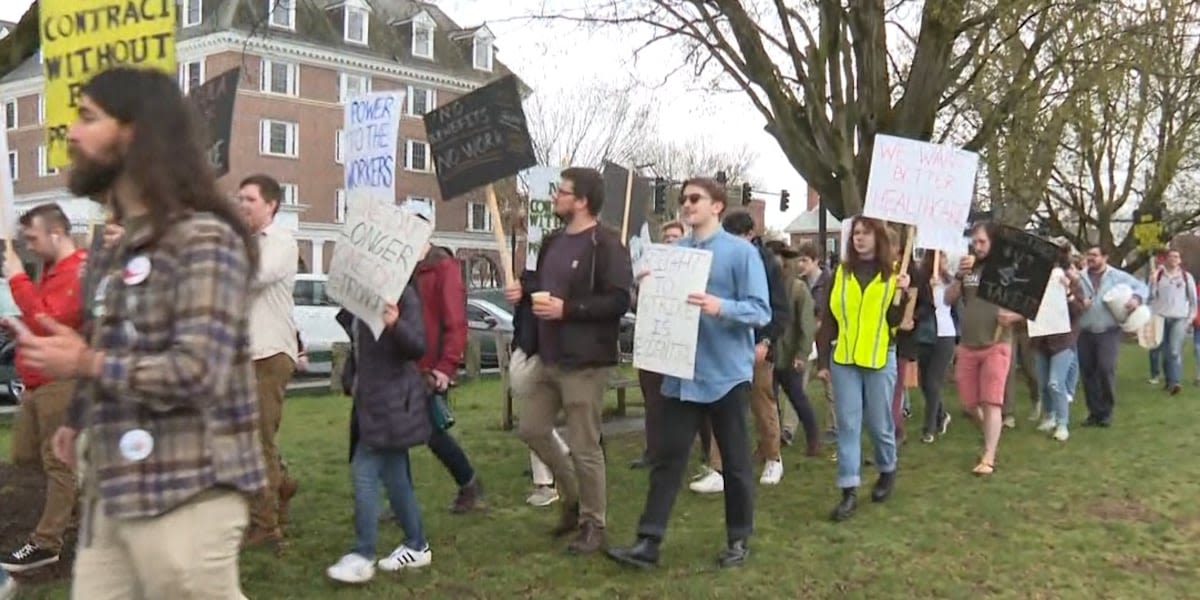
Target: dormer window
<point x="482" y="49"/>
<point x="422" y="41"/>
<point x="282" y="13"/>
<point x="356" y="23"/>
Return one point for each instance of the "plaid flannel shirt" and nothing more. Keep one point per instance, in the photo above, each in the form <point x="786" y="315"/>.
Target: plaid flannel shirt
<point x="177" y="365"/>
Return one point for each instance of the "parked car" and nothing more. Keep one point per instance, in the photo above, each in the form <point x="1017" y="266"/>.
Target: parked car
<point x="10" y="383"/>
<point x="316" y="319"/>
<point x="484" y="318"/>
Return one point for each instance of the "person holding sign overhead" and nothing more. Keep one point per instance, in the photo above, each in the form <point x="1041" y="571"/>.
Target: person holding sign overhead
<point x="584" y="278"/>
<point x="734" y="304"/>
<point x="855" y="352"/>
<point x="165" y="411"/>
<point x="985" y="350"/>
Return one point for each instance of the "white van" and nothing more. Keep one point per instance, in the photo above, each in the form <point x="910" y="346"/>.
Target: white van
<point x="316" y="319"/>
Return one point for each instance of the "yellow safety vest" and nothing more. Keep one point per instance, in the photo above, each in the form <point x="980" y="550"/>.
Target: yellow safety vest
<point x="863" y="332"/>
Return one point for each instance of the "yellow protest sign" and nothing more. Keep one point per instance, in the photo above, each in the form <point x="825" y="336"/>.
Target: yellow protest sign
<point x="83" y="37"/>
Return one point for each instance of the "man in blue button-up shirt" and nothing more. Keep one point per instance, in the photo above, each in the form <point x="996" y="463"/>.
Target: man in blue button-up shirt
<point x="733" y="305"/>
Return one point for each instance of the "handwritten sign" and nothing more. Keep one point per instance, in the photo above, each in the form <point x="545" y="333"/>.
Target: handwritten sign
<point x="479" y="138"/>
<point x="1053" y="316"/>
<point x="214" y="102"/>
<point x="80" y="38"/>
<point x="664" y="340"/>
<point x="374" y="258"/>
<point x="1017" y="271"/>
<point x="922" y="184"/>
<point x="371" y="135"/>
<point x="541" y="183"/>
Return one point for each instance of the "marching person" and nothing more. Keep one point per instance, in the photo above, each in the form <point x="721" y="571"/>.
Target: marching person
<point x="937" y="337"/>
<point x="818" y="280"/>
<point x="165" y="410"/>
<point x="795" y="345"/>
<point x="1173" y="297"/>
<point x="273" y="343"/>
<point x="732" y="307"/>
<point x="1055" y="355"/>
<point x="861" y="366"/>
<point x="583" y="289"/>
<point x="56" y="294"/>
<point x="1100" y="335"/>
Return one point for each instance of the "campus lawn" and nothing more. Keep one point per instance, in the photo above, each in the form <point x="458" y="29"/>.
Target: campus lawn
<point x="1110" y="514"/>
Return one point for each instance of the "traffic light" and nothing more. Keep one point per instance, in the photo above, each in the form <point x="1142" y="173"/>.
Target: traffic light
<point x="721" y="178"/>
<point x="745" y="194"/>
<point x="660" y="195"/>
<point x="784" y="196"/>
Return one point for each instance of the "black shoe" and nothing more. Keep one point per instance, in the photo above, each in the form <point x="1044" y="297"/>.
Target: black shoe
<point x="845" y="509"/>
<point x="1091" y="421"/>
<point x="883" y="487"/>
<point x="1104" y="423"/>
<point x="640" y="462"/>
<point x="786" y="437"/>
<point x="27" y="558"/>
<point x="733" y="555"/>
<point x="641" y="555"/>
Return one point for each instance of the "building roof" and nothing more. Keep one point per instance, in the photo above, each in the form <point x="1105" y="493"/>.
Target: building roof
<point x="808" y="222"/>
<point x="317" y="22"/>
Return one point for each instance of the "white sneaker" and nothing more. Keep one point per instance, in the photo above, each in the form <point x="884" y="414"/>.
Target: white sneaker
<point x="352" y="568"/>
<point x="712" y="483"/>
<point x="702" y="473"/>
<point x="772" y="472"/>
<point x="1154" y="381"/>
<point x="1036" y="415"/>
<point x="8" y="589"/>
<point x="1010" y="422"/>
<point x="543" y="495"/>
<point x="404" y="557"/>
<point x="1047" y="426"/>
<point x="1061" y="434"/>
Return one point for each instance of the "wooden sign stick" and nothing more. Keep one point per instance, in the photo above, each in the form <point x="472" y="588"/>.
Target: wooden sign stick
<point x="625" y="214"/>
<point x="911" y="232"/>
<point x="935" y="276"/>
<point x="493" y="207"/>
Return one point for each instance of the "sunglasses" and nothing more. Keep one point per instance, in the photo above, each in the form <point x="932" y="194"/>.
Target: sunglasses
<point x="690" y="199"/>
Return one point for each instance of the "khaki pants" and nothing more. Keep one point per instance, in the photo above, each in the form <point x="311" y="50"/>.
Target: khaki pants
<point x="521" y="372"/>
<point x="273" y="374"/>
<point x="190" y="553"/>
<point x="766" y="416"/>
<point x="43" y="411"/>
<point x="580" y="394"/>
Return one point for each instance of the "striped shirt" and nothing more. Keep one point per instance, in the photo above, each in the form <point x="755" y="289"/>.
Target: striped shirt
<point x="173" y="413"/>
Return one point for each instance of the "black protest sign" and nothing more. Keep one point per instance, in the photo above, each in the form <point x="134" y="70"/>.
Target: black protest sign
<point x="214" y="102"/>
<point x="479" y="138"/>
<point x="616" y="179"/>
<point x="1016" y="271"/>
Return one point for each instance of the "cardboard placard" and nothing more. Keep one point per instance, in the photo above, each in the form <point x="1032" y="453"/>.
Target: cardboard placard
<point x="214" y="101"/>
<point x="1017" y="271"/>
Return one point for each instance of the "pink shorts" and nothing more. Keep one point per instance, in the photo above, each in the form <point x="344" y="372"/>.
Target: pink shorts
<point x="981" y="374"/>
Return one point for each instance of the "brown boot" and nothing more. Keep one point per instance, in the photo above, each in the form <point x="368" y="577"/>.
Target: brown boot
<point x="591" y="539"/>
<point x="287" y="490"/>
<point x="258" y="537"/>
<point x="470" y="498"/>
<point x="568" y="521"/>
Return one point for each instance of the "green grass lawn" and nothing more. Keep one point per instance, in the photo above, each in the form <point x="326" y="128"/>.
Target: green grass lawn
<point x="1110" y="514"/>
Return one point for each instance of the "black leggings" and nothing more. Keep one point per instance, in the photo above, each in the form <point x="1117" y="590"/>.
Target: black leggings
<point x="933" y="361"/>
<point x="792" y="382"/>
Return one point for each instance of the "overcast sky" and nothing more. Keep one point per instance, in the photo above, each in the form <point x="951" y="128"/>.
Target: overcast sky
<point x="548" y="55"/>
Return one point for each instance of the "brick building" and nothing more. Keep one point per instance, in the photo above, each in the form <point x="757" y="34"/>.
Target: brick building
<point x="300" y="60"/>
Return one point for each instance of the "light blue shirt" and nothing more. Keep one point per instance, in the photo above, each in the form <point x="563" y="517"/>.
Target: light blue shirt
<point x="1097" y="318"/>
<point x="725" y="344"/>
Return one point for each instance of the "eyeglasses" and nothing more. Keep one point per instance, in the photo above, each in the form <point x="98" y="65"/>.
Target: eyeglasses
<point x="690" y="199"/>
<point x="562" y="192"/>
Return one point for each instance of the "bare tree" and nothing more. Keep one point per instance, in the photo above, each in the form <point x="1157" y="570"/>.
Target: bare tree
<point x="828" y="75"/>
<point x="591" y="124"/>
<point x="678" y="161"/>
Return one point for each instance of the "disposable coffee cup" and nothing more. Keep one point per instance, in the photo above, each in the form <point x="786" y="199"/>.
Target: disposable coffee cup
<point x="539" y="297"/>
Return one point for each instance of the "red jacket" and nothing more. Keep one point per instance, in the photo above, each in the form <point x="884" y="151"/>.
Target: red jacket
<point x="443" y="311"/>
<point x="58" y="295"/>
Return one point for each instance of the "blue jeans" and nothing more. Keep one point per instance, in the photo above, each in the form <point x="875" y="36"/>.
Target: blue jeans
<point x="368" y="468"/>
<point x="1073" y="374"/>
<point x="1169" y="353"/>
<point x="864" y="397"/>
<point x="1054" y="379"/>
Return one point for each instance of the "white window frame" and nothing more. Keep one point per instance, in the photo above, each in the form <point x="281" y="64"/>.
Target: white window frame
<point x="432" y="206"/>
<point x="291" y="139"/>
<point x="479" y="43"/>
<point x="282" y="14"/>
<point x="184" y="80"/>
<point x="339" y="206"/>
<point x="10" y="108"/>
<point x="14" y="164"/>
<point x="487" y="218"/>
<point x="430" y="100"/>
<point x="44" y="168"/>
<point x="339" y="148"/>
<point x="290" y="195"/>
<point x="293" y="77"/>
<point x="41" y="103"/>
<point x="342" y="87"/>
<point x="408" y="156"/>
<point x="186" y="11"/>
<point x="426" y="24"/>
<point x="366" y="24"/>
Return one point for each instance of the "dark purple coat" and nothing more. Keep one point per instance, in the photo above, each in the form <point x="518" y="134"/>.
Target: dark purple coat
<point x="391" y="399"/>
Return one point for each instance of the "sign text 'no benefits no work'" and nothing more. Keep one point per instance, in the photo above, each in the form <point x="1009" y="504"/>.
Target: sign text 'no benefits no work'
<point x="83" y="37"/>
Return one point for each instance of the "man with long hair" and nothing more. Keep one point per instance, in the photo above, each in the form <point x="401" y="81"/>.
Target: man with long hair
<point x="46" y="232"/>
<point x="274" y="344"/>
<point x="164" y="417"/>
<point x="583" y="283"/>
